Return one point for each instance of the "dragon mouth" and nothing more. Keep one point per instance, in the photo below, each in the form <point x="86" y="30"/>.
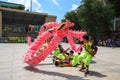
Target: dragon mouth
<point x="65" y="26"/>
<point x="44" y="45"/>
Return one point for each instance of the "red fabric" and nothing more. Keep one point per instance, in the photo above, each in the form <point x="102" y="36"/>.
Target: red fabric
<point x="29" y="40"/>
<point x="94" y="52"/>
<point x="45" y="33"/>
<point x="70" y="65"/>
<point x="73" y="45"/>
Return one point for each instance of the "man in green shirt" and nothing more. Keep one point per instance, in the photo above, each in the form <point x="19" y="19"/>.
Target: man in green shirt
<point x="89" y="52"/>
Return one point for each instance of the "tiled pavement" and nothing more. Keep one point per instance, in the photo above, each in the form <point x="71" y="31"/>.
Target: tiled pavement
<point x="105" y="66"/>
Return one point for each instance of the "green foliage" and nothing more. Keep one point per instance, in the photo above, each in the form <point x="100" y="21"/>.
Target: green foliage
<point x="94" y="16"/>
<point x="16" y="39"/>
<point x="21" y="7"/>
<point x="116" y="6"/>
<point x="98" y="17"/>
<point x="73" y="17"/>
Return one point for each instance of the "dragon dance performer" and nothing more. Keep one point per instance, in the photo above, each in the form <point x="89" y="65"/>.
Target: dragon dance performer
<point x="70" y="63"/>
<point x="89" y="51"/>
<point x="60" y="53"/>
<point x="85" y="58"/>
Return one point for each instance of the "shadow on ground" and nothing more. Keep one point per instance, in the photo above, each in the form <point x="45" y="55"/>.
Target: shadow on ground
<point x="93" y="62"/>
<point x="97" y="74"/>
<point x="42" y="64"/>
<point x="67" y="76"/>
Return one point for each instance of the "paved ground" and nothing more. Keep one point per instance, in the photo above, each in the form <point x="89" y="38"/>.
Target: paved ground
<point x="106" y="66"/>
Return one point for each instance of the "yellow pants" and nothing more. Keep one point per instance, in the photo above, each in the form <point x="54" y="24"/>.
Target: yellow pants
<point x="85" y="58"/>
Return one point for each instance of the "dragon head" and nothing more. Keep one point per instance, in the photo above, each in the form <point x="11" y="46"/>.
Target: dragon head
<point x="65" y="25"/>
<point x="63" y="28"/>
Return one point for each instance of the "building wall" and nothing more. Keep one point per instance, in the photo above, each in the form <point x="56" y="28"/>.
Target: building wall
<point x="50" y="18"/>
<point x="15" y="22"/>
<point x="15" y="26"/>
<point x="0" y="23"/>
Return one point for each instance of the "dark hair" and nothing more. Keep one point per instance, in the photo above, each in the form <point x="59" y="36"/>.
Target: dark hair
<point x="86" y="37"/>
<point x="56" y="63"/>
<point x="79" y="53"/>
<point x="59" y="45"/>
<point x="60" y="48"/>
<point x="71" y="51"/>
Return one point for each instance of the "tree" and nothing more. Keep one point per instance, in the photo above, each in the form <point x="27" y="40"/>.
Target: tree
<point x="116" y="6"/>
<point x="73" y="17"/>
<point x="95" y="16"/>
<point x="98" y="17"/>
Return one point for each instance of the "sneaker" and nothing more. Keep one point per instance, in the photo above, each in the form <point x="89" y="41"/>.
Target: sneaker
<point x="82" y="69"/>
<point x="86" y="72"/>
